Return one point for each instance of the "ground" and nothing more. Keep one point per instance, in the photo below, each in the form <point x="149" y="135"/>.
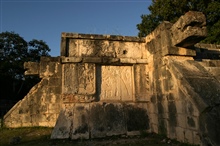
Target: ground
<point x="40" y="136"/>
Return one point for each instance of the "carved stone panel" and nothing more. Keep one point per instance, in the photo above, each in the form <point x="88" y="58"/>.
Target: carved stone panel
<point x="117" y="83"/>
<point x="70" y="81"/>
<point x="78" y="79"/>
<point x="86" y="78"/>
<point x="104" y="48"/>
<point x="73" y="48"/>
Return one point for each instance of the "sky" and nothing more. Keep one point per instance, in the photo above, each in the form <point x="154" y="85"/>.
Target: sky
<point x="47" y="19"/>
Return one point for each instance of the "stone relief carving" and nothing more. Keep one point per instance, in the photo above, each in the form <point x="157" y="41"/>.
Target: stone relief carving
<point x="86" y="78"/>
<point x="70" y="81"/>
<point x="78" y="82"/>
<point x="117" y="83"/>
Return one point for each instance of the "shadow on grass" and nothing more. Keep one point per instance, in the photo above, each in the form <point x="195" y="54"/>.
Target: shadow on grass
<point x="40" y="136"/>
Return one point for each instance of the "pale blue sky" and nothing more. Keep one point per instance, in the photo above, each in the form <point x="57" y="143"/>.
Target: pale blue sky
<point x="47" y="19"/>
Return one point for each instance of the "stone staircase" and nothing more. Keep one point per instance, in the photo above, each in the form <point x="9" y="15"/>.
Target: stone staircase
<point x="213" y="67"/>
<point x="209" y="55"/>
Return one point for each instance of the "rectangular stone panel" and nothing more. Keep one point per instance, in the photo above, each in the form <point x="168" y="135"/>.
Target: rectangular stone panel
<point x="86" y="78"/>
<point x="80" y="125"/>
<point x="78" y="82"/>
<point x="90" y="47"/>
<point x="141" y="81"/>
<point x="70" y="81"/>
<point x="117" y="83"/>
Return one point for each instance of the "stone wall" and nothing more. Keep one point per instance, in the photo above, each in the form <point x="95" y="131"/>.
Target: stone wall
<point x="184" y="79"/>
<point x="41" y="106"/>
<point x="104" y="85"/>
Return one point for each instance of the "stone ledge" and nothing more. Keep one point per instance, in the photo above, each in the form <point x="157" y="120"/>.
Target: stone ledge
<point x="103" y="60"/>
<point x="103" y="37"/>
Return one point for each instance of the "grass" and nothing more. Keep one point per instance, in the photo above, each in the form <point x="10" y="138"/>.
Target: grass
<point x="40" y="136"/>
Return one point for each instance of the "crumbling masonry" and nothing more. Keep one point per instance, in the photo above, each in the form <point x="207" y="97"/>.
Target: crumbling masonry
<point x="104" y="85"/>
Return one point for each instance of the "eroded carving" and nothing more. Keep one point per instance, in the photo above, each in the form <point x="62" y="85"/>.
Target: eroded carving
<point x="86" y="78"/>
<point x="78" y="82"/>
<point x="117" y="83"/>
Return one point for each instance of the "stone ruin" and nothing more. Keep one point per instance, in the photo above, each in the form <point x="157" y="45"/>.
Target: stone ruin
<point x="105" y="85"/>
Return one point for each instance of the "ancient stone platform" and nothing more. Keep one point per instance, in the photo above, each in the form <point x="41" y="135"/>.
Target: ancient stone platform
<point x="105" y="85"/>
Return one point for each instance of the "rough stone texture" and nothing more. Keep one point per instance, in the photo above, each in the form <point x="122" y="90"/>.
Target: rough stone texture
<point x="104" y="85"/>
<point x="32" y="68"/>
<point x="41" y="106"/>
<point x="100" y="119"/>
<point x="189" y="29"/>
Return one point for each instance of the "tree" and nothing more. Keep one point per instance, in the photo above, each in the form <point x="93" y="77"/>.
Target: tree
<point x="171" y="10"/>
<point x="14" y="51"/>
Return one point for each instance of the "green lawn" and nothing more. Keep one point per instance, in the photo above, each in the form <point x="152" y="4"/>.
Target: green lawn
<point x="40" y="136"/>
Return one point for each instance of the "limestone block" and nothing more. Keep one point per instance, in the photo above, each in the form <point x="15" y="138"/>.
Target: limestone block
<point x="70" y="98"/>
<point x="49" y="66"/>
<point x="79" y="79"/>
<point x="110" y="60"/>
<point x="71" y="59"/>
<point x="153" y="118"/>
<point x="54" y="108"/>
<point x="152" y="108"/>
<point x="182" y="51"/>
<point x="56" y="90"/>
<point x="32" y="68"/>
<point x="196" y="138"/>
<point x="182" y="120"/>
<point x="172" y="114"/>
<point x="137" y="118"/>
<point x="86" y="79"/>
<point x="73" y="48"/>
<point x="107" y="119"/>
<point x="127" y="60"/>
<point x="180" y="106"/>
<point x="192" y="122"/>
<point x="97" y="120"/>
<point x="163" y="126"/>
<point x="101" y="46"/>
<point x="129" y="50"/>
<point x="69" y="80"/>
<point x="80" y="125"/>
<point x="114" y="119"/>
<point x="92" y="59"/>
<point x="189" y="29"/>
<point x="63" y="125"/>
<point x="145" y="61"/>
<point x="25" y="118"/>
<point x="117" y="83"/>
<point x="96" y="48"/>
<point x="180" y="134"/>
<point x="54" y="81"/>
<point x="188" y="136"/>
<point x="154" y="128"/>
<point x="28" y="124"/>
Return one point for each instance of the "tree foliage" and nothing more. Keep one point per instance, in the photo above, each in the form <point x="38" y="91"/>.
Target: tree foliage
<point x="14" y="51"/>
<point x="171" y="10"/>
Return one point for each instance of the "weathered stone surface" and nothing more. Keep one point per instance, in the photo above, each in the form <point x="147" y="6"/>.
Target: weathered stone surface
<point x="142" y="87"/>
<point x="189" y="29"/>
<point x="100" y="119"/>
<point x="32" y="68"/>
<point x="71" y="59"/>
<point x="117" y="83"/>
<point x="105" y="85"/>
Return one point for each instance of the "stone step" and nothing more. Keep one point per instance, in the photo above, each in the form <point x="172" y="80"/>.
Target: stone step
<point x="210" y="63"/>
<point x="215" y="71"/>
